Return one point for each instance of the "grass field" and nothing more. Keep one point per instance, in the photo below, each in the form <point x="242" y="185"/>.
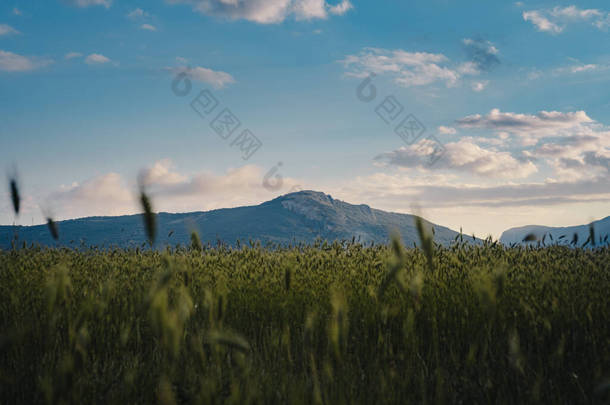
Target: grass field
<point x="331" y="323"/>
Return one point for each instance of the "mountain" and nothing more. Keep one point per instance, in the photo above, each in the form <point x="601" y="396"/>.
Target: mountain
<point x="563" y="236"/>
<point x="297" y="217"/>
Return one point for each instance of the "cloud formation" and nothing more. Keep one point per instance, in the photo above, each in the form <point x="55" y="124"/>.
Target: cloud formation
<point x="341" y="8"/>
<point x="438" y="191"/>
<point x="522" y="149"/>
<point x="171" y="191"/>
<point x="89" y="3"/>
<point x="446" y="130"/>
<point x="96" y="59"/>
<point x="175" y="191"/>
<point x="463" y="155"/>
<point x="407" y="68"/>
<point x="571" y="144"/>
<point x="7" y="30"/>
<point x="137" y="13"/>
<point x="555" y="20"/>
<point x="106" y="194"/>
<point x="73" y="55"/>
<point x="267" y="11"/>
<point x="482" y="53"/>
<point x="148" y="27"/>
<point x="479" y="86"/>
<point x="581" y="68"/>
<point x="161" y="174"/>
<point x="218" y="79"/>
<point x="12" y="62"/>
<point x="481" y="208"/>
<point x="529" y="127"/>
<point x="423" y="68"/>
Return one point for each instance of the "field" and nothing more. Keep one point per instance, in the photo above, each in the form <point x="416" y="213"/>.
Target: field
<point x="331" y="323"/>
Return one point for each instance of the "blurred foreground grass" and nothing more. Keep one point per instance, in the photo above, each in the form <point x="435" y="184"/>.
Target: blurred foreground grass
<point x="332" y="323"/>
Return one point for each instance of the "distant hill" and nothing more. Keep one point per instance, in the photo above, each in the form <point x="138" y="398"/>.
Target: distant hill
<point x="296" y="217"/>
<point x="563" y="236"/>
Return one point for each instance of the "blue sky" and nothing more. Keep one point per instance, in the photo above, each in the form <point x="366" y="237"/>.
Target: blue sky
<point x="513" y="97"/>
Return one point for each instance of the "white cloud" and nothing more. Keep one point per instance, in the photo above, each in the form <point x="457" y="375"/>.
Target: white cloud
<point x="468" y="68"/>
<point x="161" y="174"/>
<point x="137" y="13"/>
<point x="182" y="60"/>
<point x="603" y="23"/>
<point x="259" y="11"/>
<point x="176" y="192"/>
<point x="584" y="68"/>
<point x="162" y="180"/>
<point x="96" y="59"/>
<point x="102" y="195"/>
<point x="217" y="79"/>
<point x="73" y="55"/>
<point x="480" y="208"/>
<point x="267" y="11"/>
<point x="528" y="127"/>
<point x="7" y="30"/>
<point x="571" y="144"/>
<point x="341" y="8"/>
<point x="500" y="140"/>
<point x="88" y="3"/>
<point x="309" y="9"/>
<point x="540" y="160"/>
<point x="171" y="191"/>
<point x="106" y="187"/>
<point x="579" y="68"/>
<point x="576" y="67"/>
<point x="573" y="12"/>
<point x="534" y="74"/>
<point x="16" y="11"/>
<point x="463" y="155"/>
<point x="446" y="130"/>
<point x="12" y="62"/>
<point x="424" y="68"/>
<point x="407" y="68"/>
<point x="585" y="156"/>
<point x="555" y="20"/>
<point x="480" y="85"/>
<point x="541" y="22"/>
<point x="148" y="27"/>
<point x="446" y="191"/>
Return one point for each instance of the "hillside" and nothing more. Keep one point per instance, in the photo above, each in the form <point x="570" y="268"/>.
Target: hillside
<point x="297" y="217"/>
<point x="560" y="235"/>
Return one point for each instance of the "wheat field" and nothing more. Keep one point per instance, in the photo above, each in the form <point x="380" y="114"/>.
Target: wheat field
<point x="331" y="323"/>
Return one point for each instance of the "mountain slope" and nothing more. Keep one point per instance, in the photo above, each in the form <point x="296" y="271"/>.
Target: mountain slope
<point x="296" y="217"/>
<point x="554" y="234"/>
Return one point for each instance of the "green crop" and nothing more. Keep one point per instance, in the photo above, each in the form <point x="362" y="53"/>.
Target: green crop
<point x="331" y="323"/>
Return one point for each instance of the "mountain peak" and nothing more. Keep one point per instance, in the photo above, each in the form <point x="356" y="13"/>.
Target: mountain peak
<point x="313" y="205"/>
<point x="308" y="195"/>
<point x="301" y="216"/>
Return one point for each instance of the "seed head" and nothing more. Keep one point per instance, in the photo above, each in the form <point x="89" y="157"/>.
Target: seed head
<point x="15" y="197"/>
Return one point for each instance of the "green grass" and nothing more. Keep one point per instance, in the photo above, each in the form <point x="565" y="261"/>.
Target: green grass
<point x="327" y="324"/>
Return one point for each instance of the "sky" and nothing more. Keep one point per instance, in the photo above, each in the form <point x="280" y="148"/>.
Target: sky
<point x="478" y="115"/>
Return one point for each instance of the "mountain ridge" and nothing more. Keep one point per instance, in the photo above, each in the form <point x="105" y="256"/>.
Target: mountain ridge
<point x="553" y="234"/>
<point x="300" y="217"/>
